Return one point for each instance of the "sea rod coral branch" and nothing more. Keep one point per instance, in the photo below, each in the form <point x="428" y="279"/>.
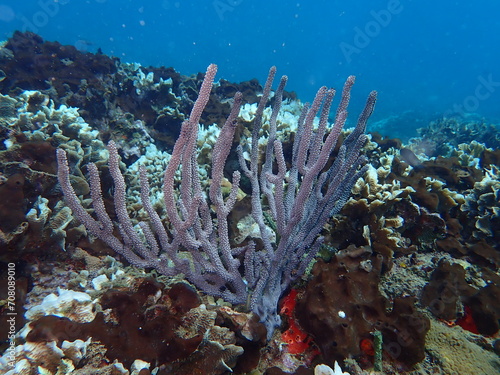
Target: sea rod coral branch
<point x="301" y="194"/>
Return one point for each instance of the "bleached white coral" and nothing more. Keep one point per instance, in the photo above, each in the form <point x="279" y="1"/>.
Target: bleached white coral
<point x="143" y="82"/>
<point x="327" y="370"/>
<point x="44" y="358"/>
<point x="156" y="161"/>
<point x="370" y="187"/>
<point x="482" y="203"/>
<point x="44" y="120"/>
<point x="76" y="306"/>
<point x="139" y="365"/>
<point x="207" y="136"/>
<point x="75" y="350"/>
<point x="286" y="122"/>
<point x="469" y="154"/>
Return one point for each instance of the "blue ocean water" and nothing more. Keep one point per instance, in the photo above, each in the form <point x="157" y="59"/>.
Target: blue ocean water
<point x="426" y="58"/>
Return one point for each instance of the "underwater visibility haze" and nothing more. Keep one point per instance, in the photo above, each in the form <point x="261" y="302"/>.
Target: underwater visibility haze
<point x="424" y="57"/>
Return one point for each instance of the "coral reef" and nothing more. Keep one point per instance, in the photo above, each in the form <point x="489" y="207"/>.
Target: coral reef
<point x="414" y="254"/>
<point x="441" y="136"/>
<point x="457" y="353"/>
<point x="167" y="328"/>
<point x="449" y="296"/>
<point x="149" y="316"/>
<point x="341" y="307"/>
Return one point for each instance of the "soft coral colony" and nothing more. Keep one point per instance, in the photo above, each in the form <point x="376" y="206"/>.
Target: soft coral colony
<point x="231" y="235"/>
<point x="300" y="197"/>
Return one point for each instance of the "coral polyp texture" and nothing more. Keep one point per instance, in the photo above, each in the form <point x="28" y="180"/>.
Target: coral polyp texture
<point x="158" y="223"/>
<point x="301" y="199"/>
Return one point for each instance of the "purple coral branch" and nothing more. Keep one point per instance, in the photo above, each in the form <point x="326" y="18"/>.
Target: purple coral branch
<point x="301" y="197"/>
